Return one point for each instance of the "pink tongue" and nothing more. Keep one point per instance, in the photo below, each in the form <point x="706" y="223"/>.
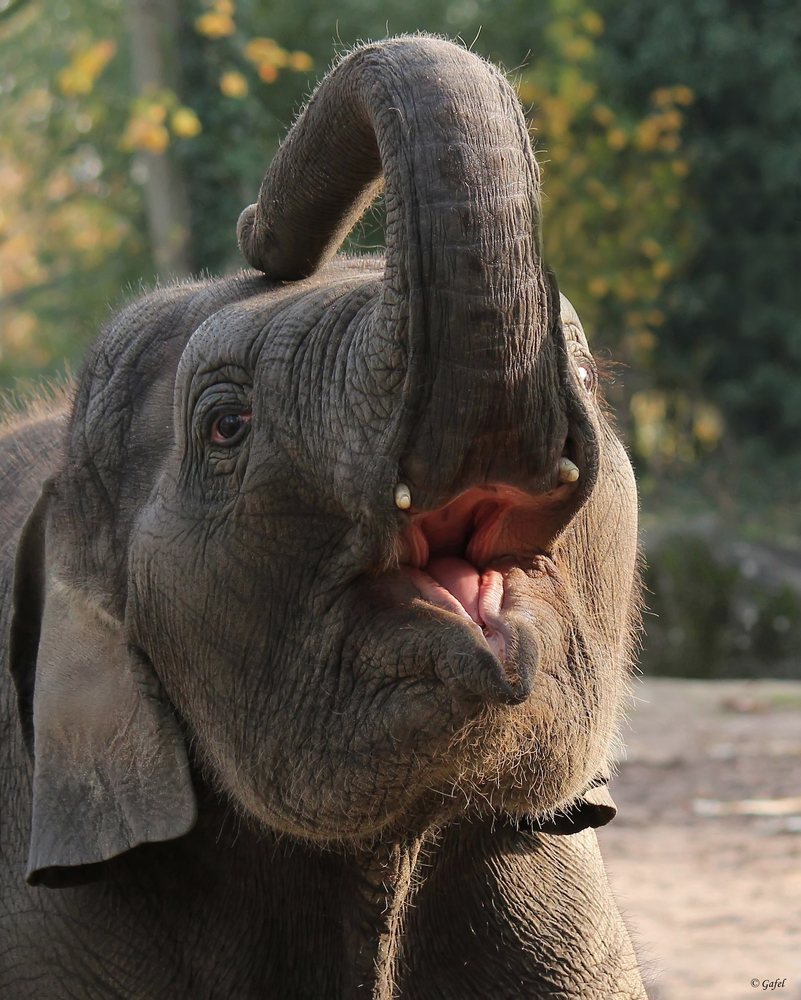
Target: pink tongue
<point x="460" y="578"/>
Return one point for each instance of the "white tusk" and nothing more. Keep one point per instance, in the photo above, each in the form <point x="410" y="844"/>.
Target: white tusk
<point x="568" y="471"/>
<point x="403" y="497"/>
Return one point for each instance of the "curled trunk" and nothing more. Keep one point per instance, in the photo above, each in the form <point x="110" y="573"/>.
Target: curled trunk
<point x="466" y="305"/>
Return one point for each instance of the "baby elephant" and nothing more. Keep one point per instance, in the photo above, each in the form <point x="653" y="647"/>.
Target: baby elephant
<point x="317" y="597"/>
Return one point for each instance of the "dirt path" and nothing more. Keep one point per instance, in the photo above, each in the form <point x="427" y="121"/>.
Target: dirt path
<point x="713" y="903"/>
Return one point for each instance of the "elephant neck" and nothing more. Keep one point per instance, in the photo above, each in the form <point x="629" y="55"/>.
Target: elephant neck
<point x="288" y="918"/>
<point x="379" y="884"/>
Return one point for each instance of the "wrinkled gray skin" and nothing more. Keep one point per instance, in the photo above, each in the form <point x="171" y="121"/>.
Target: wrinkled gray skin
<point x="245" y="752"/>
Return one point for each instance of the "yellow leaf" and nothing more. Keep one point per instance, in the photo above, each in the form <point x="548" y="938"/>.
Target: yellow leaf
<point x="215" y="25"/>
<point x="233" y="84"/>
<point x="672" y="119"/>
<point x="156" y="113"/>
<point x="683" y="95"/>
<point x="647" y="135"/>
<point x="143" y="133"/>
<point x="650" y="247"/>
<point x="268" y="72"/>
<point x="301" y="62"/>
<point x="266" y="52"/>
<point x="80" y="76"/>
<point x="592" y="22"/>
<point x="708" y="425"/>
<point x="603" y="115"/>
<point x="185" y="123"/>
<point x="260" y="50"/>
<point x="616" y="138"/>
<point x="578" y="49"/>
<point x="154" y="139"/>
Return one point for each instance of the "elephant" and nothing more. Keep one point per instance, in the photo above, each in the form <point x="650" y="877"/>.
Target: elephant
<point x="318" y="595"/>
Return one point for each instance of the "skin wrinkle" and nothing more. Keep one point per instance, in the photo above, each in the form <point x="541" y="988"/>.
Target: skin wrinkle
<point x="333" y="720"/>
<point x="587" y="969"/>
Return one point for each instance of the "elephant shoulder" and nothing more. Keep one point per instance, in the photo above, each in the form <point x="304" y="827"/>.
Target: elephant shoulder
<point x="31" y="449"/>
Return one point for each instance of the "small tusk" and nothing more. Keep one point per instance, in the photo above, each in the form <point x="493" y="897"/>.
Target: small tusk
<point x="403" y="497"/>
<point x="568" y="471"/>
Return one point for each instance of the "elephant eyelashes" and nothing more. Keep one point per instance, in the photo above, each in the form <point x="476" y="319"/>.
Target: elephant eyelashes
<point x="229" y="428"/>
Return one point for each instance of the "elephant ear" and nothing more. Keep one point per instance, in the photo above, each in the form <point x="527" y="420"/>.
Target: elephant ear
<point x="110" y="764"/>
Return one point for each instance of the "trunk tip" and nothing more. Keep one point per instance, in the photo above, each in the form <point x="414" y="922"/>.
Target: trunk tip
<point x="245" y="235"/>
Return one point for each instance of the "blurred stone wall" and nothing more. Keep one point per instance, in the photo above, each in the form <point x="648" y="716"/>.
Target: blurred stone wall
<point x="720" y="606"/>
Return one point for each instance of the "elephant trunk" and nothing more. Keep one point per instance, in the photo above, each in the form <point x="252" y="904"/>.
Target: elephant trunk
<point x="466" y="305"/>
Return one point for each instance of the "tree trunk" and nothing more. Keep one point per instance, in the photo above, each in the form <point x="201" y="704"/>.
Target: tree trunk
<point x="166" y="200"/>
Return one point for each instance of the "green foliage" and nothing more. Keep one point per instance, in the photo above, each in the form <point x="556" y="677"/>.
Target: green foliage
<point x="70" y="238"/>
<point x="733" y="331"/>
<point x="245" y="88"/>
<point x="613" y="185"/>
<point x="73" y="238"/>
<point x="669" y="136"/>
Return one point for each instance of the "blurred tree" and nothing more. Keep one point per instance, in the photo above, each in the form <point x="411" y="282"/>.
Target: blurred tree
<point x="153" y="25"/>
<point x="616" y="221"/>
<point x="132" y="135"/>
<point x="245" y="87"/>
<point x="615" y="224"/>
<point x="95" y="146"/>
<point x="68" y="214"/>
<point x="669" y="132"/>
<point x="733" y="324"/>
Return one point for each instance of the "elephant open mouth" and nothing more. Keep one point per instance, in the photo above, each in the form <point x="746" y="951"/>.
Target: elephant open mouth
<point x="458" y="557"/>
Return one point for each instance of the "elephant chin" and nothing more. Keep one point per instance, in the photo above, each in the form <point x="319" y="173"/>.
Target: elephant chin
<point x="463" y="717"/>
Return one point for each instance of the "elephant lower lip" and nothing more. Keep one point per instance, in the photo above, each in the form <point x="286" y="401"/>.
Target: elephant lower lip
<point x="456" y="586"/>
<point x="457" y="559"/>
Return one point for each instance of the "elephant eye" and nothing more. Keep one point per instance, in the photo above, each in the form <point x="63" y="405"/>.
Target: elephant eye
<point x="229" y="428"/>
<point x="586" y="374"/>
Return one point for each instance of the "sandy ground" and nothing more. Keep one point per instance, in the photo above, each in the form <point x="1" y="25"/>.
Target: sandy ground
<point x="713" y="903"/>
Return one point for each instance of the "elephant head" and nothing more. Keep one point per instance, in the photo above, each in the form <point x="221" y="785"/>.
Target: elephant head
<point x="354" y="530"/>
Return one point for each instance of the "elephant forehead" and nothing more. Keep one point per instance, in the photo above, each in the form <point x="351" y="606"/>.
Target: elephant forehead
<point x="571" y="323"/>
<point x="267" y="328"/>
